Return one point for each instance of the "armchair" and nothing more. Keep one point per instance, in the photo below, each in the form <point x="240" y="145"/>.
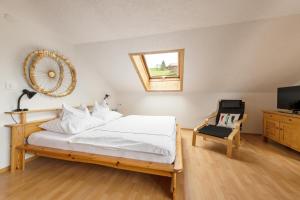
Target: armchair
<point x="225" y="135"/>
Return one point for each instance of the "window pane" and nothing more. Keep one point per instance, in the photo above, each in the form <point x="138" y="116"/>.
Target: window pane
<point x="162" y="64"/>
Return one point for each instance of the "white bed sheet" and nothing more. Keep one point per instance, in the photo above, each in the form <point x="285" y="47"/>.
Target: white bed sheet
<point x="113" y="143"/>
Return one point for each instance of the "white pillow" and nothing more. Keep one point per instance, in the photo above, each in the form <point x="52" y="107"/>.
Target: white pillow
<point x="102" y="112"/>
<point x="82" y="107"/>
<point x="82" y="111"/>
<point x="107" y="115"/>
<point x="75" y="124"/>
<point x="53" y="125"/>
<point x="227" y="120"/>
<point x="75" y="121"/>
<point x="72" y="121"/>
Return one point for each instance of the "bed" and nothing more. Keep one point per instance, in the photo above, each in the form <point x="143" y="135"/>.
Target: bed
<point x="128" y="143"/>
<point x="128" y="137"/>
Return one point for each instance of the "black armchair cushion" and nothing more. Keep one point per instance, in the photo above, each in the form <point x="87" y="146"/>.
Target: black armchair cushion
<point x="215" y="131"/>
<point x="232" y="107"/>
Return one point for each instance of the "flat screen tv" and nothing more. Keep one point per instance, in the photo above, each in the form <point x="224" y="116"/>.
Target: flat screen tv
<point x="288" y="98"/>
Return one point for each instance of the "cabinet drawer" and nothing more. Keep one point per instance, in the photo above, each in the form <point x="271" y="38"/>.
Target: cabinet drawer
<point x="290" y="120"/>
<point x="270" y="116"/>
<point x="281" y="118"/>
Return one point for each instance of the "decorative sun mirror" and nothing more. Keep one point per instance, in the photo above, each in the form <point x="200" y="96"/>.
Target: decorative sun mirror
<point x="49" y="73"/>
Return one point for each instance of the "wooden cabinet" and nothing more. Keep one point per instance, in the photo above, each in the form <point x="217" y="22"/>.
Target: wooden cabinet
<point x="283" y="128"/>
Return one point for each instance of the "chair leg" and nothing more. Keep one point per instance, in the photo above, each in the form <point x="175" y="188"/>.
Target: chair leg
<point x="229" y="148"/>
<point x="238" y="140"/>
<point x="194" y="139"/>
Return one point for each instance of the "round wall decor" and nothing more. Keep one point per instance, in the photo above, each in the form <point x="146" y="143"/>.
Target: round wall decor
<point x="49" y="73"/>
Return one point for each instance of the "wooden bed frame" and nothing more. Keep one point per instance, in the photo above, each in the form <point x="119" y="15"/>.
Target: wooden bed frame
<point x="22" y="130"/>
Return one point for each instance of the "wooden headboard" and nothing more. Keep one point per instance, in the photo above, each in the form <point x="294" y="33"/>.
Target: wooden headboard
<point x="23" y="129"/>
<point x="26" y="129"/>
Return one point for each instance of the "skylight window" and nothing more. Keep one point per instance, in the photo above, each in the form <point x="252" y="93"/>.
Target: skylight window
<point x="161" y="70"/>
<point x="162" y="65"/>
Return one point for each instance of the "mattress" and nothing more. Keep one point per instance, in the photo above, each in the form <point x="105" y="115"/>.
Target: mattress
<point x="126" y="142"/>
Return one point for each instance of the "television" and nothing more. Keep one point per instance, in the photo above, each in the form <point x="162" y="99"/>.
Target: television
<point x="288" y="98"/>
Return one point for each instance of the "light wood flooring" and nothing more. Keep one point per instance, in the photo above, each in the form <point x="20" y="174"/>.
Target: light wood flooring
<point x="257" y="171"/>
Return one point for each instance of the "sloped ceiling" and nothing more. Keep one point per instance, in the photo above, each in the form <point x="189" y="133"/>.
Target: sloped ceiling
<point x="230" y="46"/>
<point x="253" y="56"/>
<point x="81" y="21"/>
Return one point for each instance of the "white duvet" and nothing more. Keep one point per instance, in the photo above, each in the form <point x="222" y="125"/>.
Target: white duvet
<point x="147" y="134"/>
<point x="142" y="124"/>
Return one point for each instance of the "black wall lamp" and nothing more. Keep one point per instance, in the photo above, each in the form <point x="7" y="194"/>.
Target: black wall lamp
<point x="106" y="96"/>
<point x="29" y="94"/>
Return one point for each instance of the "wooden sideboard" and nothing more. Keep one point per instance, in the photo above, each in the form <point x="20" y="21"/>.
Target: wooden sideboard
<point x="283" y="128"/>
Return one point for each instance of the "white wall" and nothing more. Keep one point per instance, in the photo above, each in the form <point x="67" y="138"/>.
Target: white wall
<point x="244" y="60"/>
<point x="17" y="39"/>
<point x="191" y="108"/>
<point x="253" y="56"/>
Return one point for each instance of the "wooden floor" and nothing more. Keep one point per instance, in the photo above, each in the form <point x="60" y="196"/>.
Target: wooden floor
<point x="257" y="171"/>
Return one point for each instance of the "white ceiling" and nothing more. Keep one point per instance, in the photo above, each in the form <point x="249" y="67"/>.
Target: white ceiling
<point x="81" y="21"/>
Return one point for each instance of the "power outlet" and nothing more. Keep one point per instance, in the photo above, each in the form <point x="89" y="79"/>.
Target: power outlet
<point x="9" y="85"/>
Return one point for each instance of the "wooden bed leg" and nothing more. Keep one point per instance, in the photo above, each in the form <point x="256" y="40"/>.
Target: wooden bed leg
<point x="173" y="186"/>
<point x="229" y="148"/>
<point x="22" y="159"/>
<point x="194" y="139"/>
<point x="17" y="139"/>
<point x="13" y="160"/>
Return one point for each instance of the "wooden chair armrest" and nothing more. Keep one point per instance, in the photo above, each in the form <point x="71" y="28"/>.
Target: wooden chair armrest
<point x="202" y="124"/>
<point x="205" y="122"/>
<point x="237" y="124"/>
<point x="212" y="115"/>
<point x="232" y="134"/>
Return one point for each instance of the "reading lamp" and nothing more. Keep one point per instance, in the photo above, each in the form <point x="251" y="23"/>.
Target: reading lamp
<point x="104" y="99"/>
<point x="106" y="96"/>
<point x="29" y="94"/>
